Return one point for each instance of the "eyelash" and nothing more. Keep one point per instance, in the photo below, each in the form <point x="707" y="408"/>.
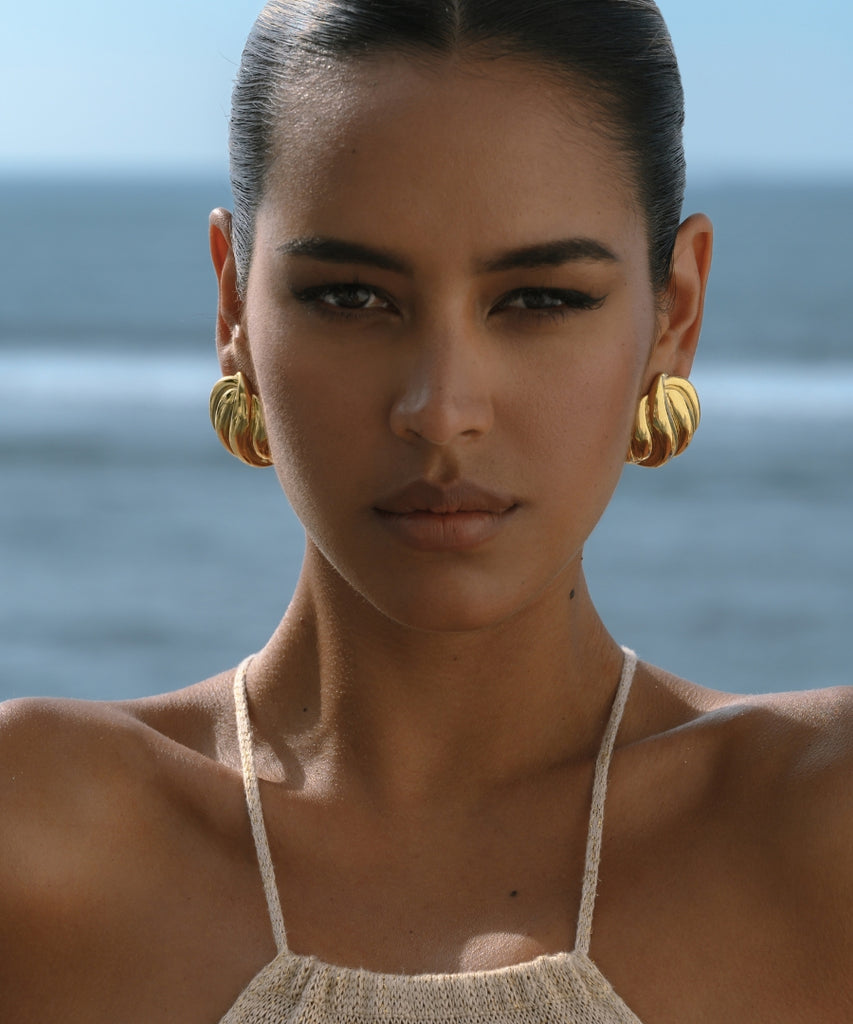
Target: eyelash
<point x="313" y="296"/>
<point x="571" y="300"/>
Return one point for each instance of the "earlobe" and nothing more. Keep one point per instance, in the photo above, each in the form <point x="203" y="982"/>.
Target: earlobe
<point x="230" y="306"/>
<point x="682" y="322"/>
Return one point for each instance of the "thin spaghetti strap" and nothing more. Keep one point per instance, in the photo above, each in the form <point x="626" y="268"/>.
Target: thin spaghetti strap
<point x="253" y="801"/>
<point x="599" y="792"/>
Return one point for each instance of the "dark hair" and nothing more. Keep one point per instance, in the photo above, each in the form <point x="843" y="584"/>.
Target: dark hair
<point x="621" y="48"/>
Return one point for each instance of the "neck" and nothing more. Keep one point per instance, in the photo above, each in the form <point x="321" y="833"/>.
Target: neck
<point x="407" y="712"/>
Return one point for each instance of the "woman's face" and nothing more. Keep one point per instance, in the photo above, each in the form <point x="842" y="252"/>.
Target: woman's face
<point x="449" y="320"/>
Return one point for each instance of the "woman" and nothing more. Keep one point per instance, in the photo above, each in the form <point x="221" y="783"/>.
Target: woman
<point x="454" y="292"/>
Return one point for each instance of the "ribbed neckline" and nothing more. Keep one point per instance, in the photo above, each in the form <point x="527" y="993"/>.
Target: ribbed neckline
<point x="552" y="989"/>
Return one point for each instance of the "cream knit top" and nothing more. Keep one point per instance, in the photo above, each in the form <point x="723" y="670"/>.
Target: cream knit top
<point x="558" y="988"/>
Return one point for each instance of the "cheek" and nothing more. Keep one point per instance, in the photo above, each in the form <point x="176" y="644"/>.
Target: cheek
<point x="581" y="410"/>
<point x="305" y="396"/>
<point x="318" y="414"/>
<point x="576" y="436"/>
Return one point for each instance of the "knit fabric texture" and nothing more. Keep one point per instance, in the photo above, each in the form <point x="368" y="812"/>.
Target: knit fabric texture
<point x="558" y="988"/>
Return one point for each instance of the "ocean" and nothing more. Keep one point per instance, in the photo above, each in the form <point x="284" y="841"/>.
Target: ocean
<point x="136" y="556"/>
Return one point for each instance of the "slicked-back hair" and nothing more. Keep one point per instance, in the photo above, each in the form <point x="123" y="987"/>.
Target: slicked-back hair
<point x="620" y="50"/>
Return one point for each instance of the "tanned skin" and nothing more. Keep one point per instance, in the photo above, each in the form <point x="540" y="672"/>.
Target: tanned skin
<point x="428" y="712"/>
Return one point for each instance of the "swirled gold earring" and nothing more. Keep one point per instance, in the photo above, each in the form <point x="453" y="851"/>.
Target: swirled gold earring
<point x="238" y="420"/>
<point x="667" y="418"/>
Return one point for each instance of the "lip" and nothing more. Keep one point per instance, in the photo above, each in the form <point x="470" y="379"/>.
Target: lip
<point x="430" y="517"/>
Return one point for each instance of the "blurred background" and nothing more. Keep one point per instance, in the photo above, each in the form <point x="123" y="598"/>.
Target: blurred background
<point x="136" y="556"/>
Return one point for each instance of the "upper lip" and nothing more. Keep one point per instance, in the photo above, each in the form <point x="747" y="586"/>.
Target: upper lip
<point x="462" y="496"/>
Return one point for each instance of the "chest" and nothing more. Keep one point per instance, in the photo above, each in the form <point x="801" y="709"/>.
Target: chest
<point x="688" y="924"/>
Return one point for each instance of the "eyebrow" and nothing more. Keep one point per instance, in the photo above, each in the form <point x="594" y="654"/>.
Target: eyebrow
<point x="336" y="250"/>
<point x="551" y="254"/>
<point x="543" y="254"/>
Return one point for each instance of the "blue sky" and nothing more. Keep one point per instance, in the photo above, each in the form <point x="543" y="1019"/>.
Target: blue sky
<point x="106" y="84"/>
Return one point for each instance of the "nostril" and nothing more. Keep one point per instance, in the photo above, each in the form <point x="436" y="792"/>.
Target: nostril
<point x="440" y="416"/>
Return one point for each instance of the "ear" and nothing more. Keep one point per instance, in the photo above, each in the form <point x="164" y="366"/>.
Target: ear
<point x="681" y="320"/>
<point x="231" y="343"/>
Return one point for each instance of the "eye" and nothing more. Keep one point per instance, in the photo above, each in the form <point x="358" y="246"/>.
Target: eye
<point x="549" y="301"/>
<point x="348" y="297"/>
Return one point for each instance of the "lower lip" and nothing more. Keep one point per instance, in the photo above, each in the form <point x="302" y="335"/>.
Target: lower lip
<point x="454" y="531"/>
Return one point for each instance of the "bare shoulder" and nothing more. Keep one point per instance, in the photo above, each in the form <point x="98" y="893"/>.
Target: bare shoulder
<point x="796" y="758"/>
<point x="70" y="768"/>
<point x="49" y="747"/>
<point x="784" y="768"/>
<point x="780" y="765"/>
<point x="113" y="816"/>
<point x="58" y="753"/>
<point x="802" y="733"/>
<point x="784" y="760"/>
<point x="65" y="769"/>
<point x="753" y="797"/>
<point x="39" y="735"/>
<point x="799" y="740"/>
<point x="815" y="729"/>
<point x="796" y="750"/>
<point x="802" y="747"/>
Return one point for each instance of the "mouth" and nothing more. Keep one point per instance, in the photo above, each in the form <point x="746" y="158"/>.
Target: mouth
<point x="433" y="518"/>
<point x="461" y="497"/>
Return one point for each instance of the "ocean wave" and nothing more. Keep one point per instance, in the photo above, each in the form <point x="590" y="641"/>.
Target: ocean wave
<point x="60" y="379"/>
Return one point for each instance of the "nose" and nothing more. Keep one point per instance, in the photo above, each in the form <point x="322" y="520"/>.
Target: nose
<point x="446" y="394"/>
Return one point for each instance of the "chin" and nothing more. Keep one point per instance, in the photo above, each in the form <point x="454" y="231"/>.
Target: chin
<point x="457" y="607"/>
<point x="436" y="596"/>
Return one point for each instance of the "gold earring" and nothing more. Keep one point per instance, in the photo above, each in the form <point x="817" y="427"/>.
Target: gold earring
<point x="238" y="420"/>
<point x="666" y="421"/>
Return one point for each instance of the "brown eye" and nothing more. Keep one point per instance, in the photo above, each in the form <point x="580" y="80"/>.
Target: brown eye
<point x="349" y="296"/>
<point x="549" y="300"/>
<point x="345" y="297"/>
<point x="530" y="298"/>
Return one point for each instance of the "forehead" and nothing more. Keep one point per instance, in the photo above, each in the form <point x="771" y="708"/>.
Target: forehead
<point x="476" y="153"/>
